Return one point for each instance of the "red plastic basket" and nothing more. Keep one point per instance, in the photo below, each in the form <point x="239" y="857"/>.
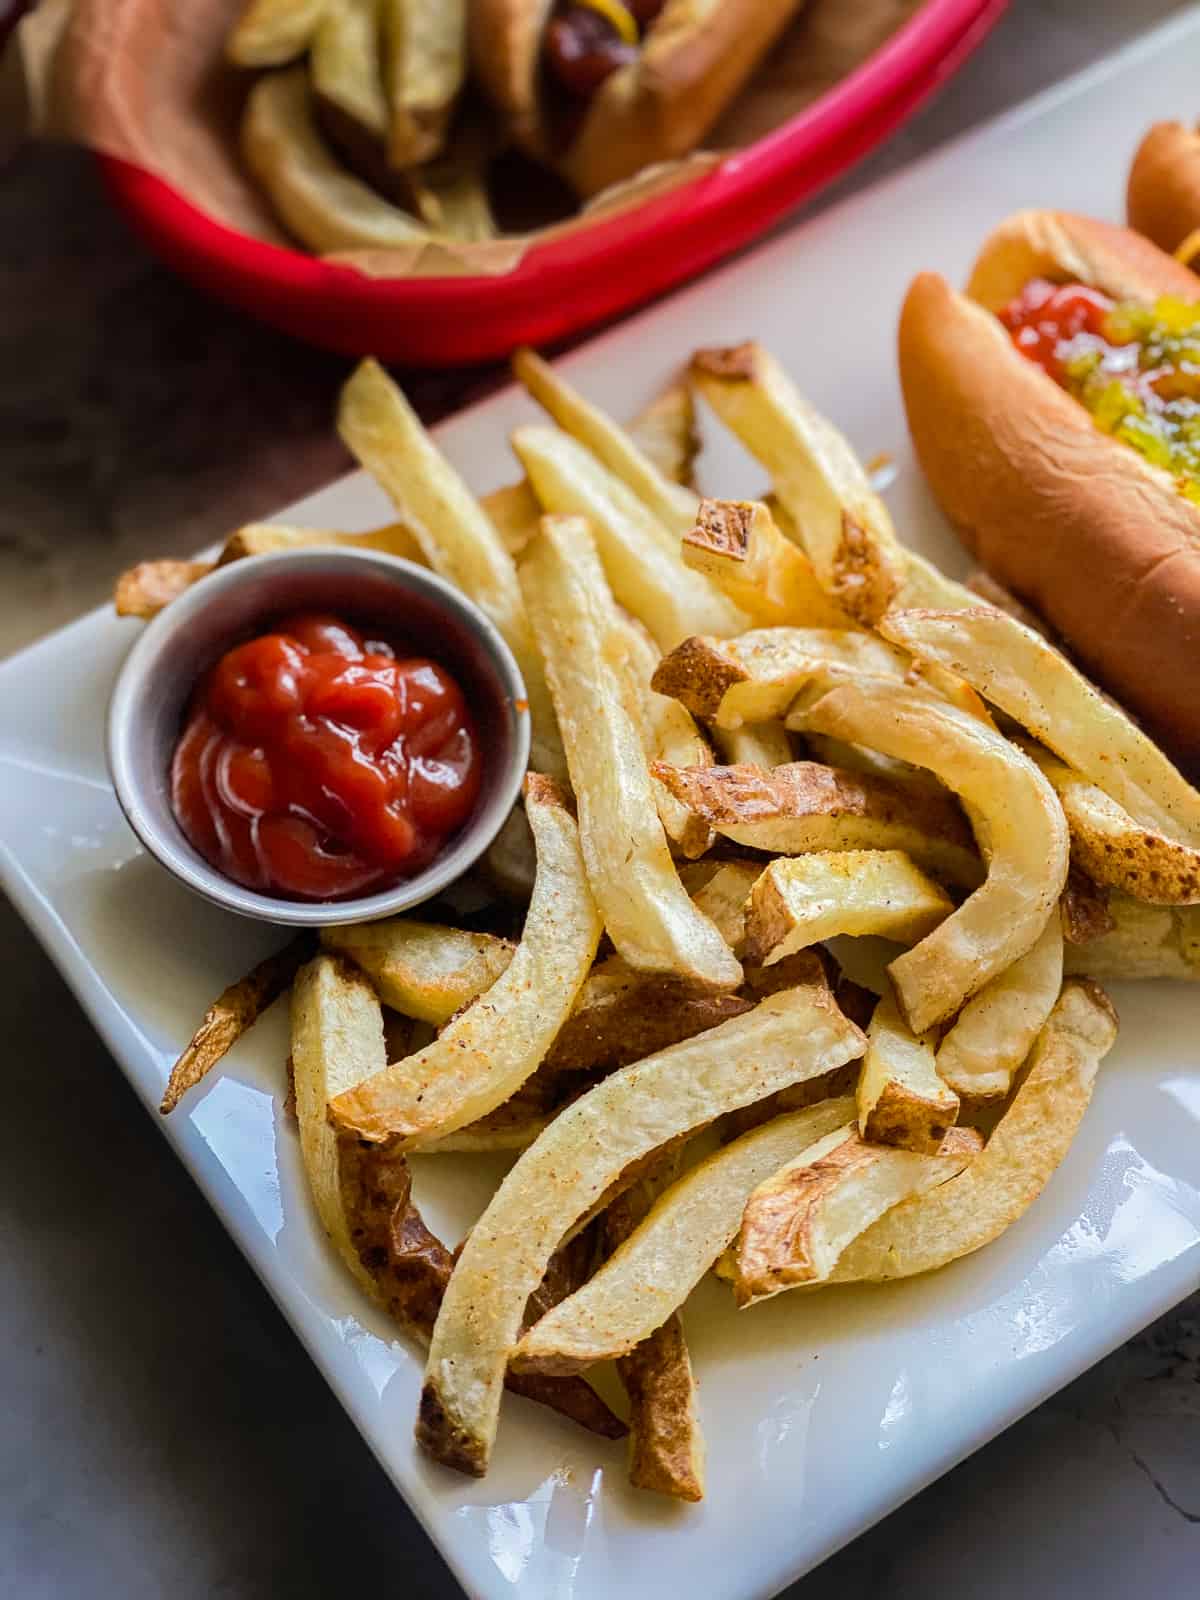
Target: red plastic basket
<point x="565" y="284"/>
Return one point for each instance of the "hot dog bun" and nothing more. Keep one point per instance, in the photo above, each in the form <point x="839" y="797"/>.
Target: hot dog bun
<point x="1075" y="522"/>
<point x="1162" y="199"/>
<point x="694" y="58"/>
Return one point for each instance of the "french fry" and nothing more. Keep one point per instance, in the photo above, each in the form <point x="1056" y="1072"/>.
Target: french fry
<point x="1083" y="908"/>
<point x="902" y="1100"/>
<point x="756" y="677"/>
<point x="737" y="544"/>
<point x="1006" y="797"/>
<point x="337" y="1041"/>
<point x="143" y="590"/>
<point x="344" y="66"/>
<point x="514" y="513"/>
<point x="791" y="1036"/>
<point x="1115" y="850"/>
<point x="455" y="533"/>
<point x="422" y="969"/>
<point x="844" y="526"/>
<point x="668" y="501"/>
<point x="270" y="33"/>
<point x="805" y="807"/>
<point x="646" y="912"/>
<point x="666" y="1446"/>
<point x="798" y="1221"/>
<point x="663" y="1260"/>
<point x="665" y="432"/>
<point x="754" y="744"/>
<point x="804" y="900"/>
<point x="640" y="557"/>
<point x="234" y="1011"/>
<point x="1144" y="942"/>
<point x="424" y="66"/>
<point x="317" y="199"/>
<point x="1004" y="1180"/>
<point x="1032" y="682"/>
<point x="995" y="1030"/>
<point x="262" y="538"/>
<point x="488" y="1052"/>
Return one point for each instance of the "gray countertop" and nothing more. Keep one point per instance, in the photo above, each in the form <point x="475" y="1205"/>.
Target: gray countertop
<point x="163" y="1432"/>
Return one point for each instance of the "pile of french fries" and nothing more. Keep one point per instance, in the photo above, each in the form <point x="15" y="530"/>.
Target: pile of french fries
<point x="361" y="129"/>
<point x="647" y="959"/>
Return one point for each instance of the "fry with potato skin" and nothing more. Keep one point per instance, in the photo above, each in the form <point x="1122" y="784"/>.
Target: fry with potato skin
<point x="661" y="1262"/>
<point x="806" y="806"/>
<point x="234" y="1011"/>
<point x="458" y="539"/>
<point x="1143" y="942"/>
<point x="489" y="1051"/>
<point x="647" y="914"/>
<point x="799" y="1220"/>
<point x="737" y="544"/>
<point x="791" y="1036"/>
<point x="1005" y="1179"/>
<point x="902" y="1099"/>
<point x="1027" y="845"/>
<point x="803" y="900"/>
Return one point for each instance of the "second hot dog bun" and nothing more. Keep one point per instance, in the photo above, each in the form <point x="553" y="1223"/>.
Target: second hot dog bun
<point x="1162" y="199"/>
<point x="1075" y="522"/>
<point x="694" y="58"/>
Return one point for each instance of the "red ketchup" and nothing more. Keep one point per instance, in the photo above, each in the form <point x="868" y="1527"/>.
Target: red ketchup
<point x="319" y="762"/>
<point x="1046" y="317"/>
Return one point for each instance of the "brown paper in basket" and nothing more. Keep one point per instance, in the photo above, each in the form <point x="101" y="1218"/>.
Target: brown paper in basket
<point x="146" y="80"/>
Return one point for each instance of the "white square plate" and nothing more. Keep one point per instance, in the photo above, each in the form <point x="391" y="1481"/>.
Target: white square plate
<point x="822" y="1413"/>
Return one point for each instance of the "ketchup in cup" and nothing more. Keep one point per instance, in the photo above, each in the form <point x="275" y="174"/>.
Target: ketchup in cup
<point x="319" y="762"/>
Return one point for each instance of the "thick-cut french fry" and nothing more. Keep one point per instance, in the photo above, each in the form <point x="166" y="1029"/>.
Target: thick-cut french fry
<point x="455" y="533"/>
<point x="1114" y="850"/>
<point x="663" y="1260"/>
<point x="641" y="558"/>
<point x="1022" y="824"/>
<point x="805" y="807"/>
<point x="144" y="590"/>
<point x="871" y="763"/>
<point x="422" y="969"/>
<point x="1083" y="908"/>
<point x="802" y="900"/>
<point x="514" y="513"/>
<point x="844" y="527"/>
<point x="757" y="676"/>
<point x="1144" y="942"/>
<point x="995" y="1031"/>
<point x="425" y="63"/>
<point x="270" y="33"/>
<point x="337" y="1041"/>
<point x="666" y="1446"/>
<point x="800" y="1219"/>
<point x="672" y="504"/>
<point x="483" y="1057"/>
<point x="234" y="1011"/>
<point x="345" y="67"/>
<point x="791" y="1036"/>
<point x="1038" y="687"/>
<point x="646" y="911"/>
<point x="901" y="1099"/>
<point x="754" y="744"/>
<point x="738" y="545"/>
<point x="315" y="196"/>
<point x="262" y="538"/>
<point x="1004" y="1180"/>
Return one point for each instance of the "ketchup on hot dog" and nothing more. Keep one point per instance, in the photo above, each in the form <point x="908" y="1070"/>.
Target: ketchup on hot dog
<point x="588" y="40"/>
<point x="1136" y="368"/>
<point x="318" y="761"/>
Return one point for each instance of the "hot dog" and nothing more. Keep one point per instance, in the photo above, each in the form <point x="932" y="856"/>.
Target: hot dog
<point x="601" y="88"/>
<point x="1052" y="409"/>
<point x="1162" y="199"/>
